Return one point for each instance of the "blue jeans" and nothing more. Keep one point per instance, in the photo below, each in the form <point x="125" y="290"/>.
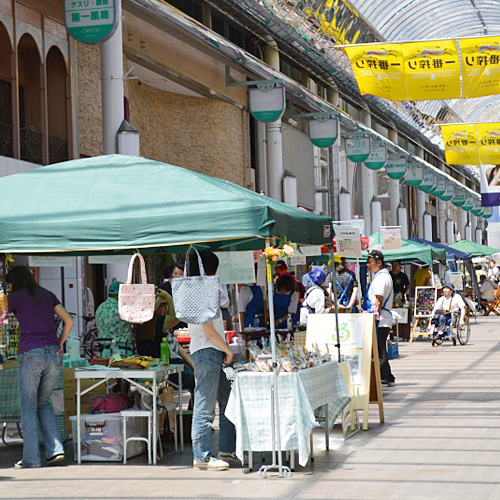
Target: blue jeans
<point x="441" y="320"/>
<point x="38" y="376"/>
<point x="211" y="386"/>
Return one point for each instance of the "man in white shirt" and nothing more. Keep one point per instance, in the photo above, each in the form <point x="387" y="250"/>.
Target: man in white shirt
<point x="380" y="295"/>
<point x="487" y="289"/>
<point x="209" y="352"/>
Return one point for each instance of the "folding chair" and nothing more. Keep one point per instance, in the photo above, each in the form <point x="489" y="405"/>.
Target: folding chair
<point x="494" y="306"/>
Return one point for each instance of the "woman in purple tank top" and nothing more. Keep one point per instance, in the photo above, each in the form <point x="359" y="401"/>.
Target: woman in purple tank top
<point x="40" y="364"/>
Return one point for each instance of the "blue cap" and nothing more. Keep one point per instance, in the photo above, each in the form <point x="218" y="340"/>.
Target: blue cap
<point x="317" y="276"/>
<point x="114" y="288"/>
<point x="450" y="286"/>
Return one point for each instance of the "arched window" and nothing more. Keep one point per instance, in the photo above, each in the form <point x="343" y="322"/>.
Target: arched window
<point x="57" y="106"/>
<point x="30" y="96"/>
<point x="6" y="137"/>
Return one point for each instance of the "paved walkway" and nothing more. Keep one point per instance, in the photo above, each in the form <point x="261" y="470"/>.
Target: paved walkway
<point x="441" y="441"/>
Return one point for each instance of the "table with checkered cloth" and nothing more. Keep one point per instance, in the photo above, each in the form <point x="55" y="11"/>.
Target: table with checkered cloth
<point x="9" y="401"/>
<point x="300" y="393"/>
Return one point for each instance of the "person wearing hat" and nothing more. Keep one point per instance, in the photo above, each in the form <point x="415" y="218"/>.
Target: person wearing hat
<point x="107" y="317"/>
<point x="378" y="299"/>
<point x="346" y="286"/>
<point x="314" y="299"/>
<point x="449" y="303"/>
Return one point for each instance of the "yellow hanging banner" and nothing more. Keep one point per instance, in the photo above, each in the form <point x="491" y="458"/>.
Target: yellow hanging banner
<point x="432" y="70"/>
<point x="379" y="70"/>
<point x="480" y="66"/>
<point x="460" y="143"/>
<point x="488" y="137"/>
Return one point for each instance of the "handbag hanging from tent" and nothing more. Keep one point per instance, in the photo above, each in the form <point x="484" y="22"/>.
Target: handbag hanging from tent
<point x="196" y="298"/>
<point x="136" y="301"/>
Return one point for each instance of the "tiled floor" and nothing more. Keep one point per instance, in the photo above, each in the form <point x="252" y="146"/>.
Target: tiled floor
<point x="441" y="441"/>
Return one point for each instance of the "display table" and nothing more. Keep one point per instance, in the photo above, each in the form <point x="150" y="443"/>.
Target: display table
<point x="300" y="393"/>
<point x="10" y="410"/>
<point x="103" y="374"/>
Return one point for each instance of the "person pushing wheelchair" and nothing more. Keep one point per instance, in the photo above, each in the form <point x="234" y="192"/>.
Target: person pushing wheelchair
<point x="449" y="303"/>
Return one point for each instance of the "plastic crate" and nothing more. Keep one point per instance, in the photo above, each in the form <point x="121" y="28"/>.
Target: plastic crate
<point x="393" y="350"/>
<point x="102" y="437"/>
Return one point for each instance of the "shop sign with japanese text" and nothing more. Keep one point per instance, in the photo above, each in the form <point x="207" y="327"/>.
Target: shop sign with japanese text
<point x="459" y="199"/>
<point x="488" y="138"/>
<point x="91" y="21"/>
<point x="449" y="192"/>
<point x="480" y="66"/>
<point x="460" y="143"/>
<point x="440" y="188"/>
<point x="358" y="148"/>
<point x="378" y="156"/>
<point x="415" y="175"/>
<point x="395" y="167"/>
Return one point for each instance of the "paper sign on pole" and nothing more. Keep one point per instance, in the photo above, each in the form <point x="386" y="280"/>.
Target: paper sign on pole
<point x="298" y="260"/>
<point x="42" y="261"/>
<point x="310" y="250"/>
<point x="456" y="279"/>
<point x="261" y="279"/>
<point x="391" y="238"/>
<point x="348" y="241"/>
<point x="480" y="66"/>
<point x="488" y="137"/>
<point x="432" y="70"/>
<point x="379" y="70"/>
<point x="236" y="267"/>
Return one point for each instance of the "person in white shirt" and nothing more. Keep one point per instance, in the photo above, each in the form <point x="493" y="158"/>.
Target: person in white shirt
<point x="209" y="352"/>
<point x="487" y="289"/>
<point x="449" y="303"/>
<point x="493" y="273"/>
<point x="315" y="297"/>
<point x="378" y="299"/>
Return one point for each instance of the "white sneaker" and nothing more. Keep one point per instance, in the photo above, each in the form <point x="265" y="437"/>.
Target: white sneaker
<point x="211" y="464"/>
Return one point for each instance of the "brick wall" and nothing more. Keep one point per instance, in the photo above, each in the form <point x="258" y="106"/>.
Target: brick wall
<point x="207" y="135"/>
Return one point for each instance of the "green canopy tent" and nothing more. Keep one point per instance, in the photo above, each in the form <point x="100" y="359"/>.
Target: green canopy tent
<point x="409" y="251"/>
<point x="475" y="249"/>
<point x="115" y="202"/>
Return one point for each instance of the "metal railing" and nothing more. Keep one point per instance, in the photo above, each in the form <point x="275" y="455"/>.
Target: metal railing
<point x="6" y="140"/>
<point x="31" y="146"/>
<point x="58" y="149"/>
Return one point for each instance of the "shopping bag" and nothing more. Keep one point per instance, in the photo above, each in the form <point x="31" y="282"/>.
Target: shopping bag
<point x="196" y="298"/>
<point x="136" y="301"/>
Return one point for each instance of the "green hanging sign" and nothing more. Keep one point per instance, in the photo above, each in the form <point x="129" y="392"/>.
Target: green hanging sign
<point x="378" y="156"/>
<point x="91" y="21"/>
<point x="323" y="133"/>
<point x="487" y="212"/>
<point x="459" y="199"/>
<point x="414" y="175"/>
<point x="396" y="167"/>
<point x="440" y="188"/>
<point x="477" y="209"/>
<point x="266" y="104"/>
<point x="358" y="149"/>
<point x="427" y="182"/>
<point x="449" y="192"/>
<point x="469" y="204"/>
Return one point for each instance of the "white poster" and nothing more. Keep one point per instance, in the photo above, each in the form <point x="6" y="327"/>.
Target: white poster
<point x="437" y="281"/>
<point x="310" y="250"/>
<point x="391" y="238"/>
<point x="42" y="261"/>
<point x="261" y="271"/>
<point x="109" y="259"/>
<point x="322" y="330"/>
<point x="403" y="313"/>
<point x="236" y="267"/>
<point x="356" y="361"/>
<point x="348" y="241"/>
<point x="298" y="259"/>
<point x="456" y="279"/>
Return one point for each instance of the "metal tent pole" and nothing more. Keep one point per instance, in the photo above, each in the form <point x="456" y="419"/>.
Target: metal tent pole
<point x="334" y="278"/>
<point x="283" y="471"/>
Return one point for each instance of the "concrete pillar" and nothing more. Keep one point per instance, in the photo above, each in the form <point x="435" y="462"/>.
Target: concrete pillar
<point x="332" y="96"/>
<point x="113" y="112"/>
<point x="479" y="235"/>
<point x="376" y="213"/>
<point x="368" y="179"/>
<point x="274" y="138"/>
<point x="345" y="204"/>
<point x="473" y="226"/>
<point x="394" y="186"/>
<point x="450" y="231"/>
<point x="403" y="221"/>
<point x="467" y="232"/>
<point x="442" y="216"/>
<point x="427" y="227"/>
<point x="463" y="224"/>
<point x="420" y="212"/>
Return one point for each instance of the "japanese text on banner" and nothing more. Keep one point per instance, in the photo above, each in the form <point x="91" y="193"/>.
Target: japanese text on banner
<point x="488" y="138"/>
<point x="460" y="143"/>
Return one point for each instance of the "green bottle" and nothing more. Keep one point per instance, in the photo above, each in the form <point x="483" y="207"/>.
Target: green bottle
<point x="164" y="352"/>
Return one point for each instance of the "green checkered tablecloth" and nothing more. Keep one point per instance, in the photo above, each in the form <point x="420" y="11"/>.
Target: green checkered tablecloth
<point x="300" y="393"/>
<point x="9" y="399"/>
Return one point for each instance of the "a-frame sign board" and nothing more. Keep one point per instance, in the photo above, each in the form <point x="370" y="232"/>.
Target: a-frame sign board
<point x="358" y="344"/>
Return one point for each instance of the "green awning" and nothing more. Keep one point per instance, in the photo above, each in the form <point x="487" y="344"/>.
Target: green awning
<point x="116" y="202"/>
<point x="475" y="249"/>
<point x="409" y="251"/>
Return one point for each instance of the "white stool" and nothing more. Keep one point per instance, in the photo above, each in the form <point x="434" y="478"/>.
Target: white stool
<point x="136" y="413"/>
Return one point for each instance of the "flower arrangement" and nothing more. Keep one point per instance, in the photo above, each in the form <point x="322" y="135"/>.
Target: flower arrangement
<point x="284" y="248"/>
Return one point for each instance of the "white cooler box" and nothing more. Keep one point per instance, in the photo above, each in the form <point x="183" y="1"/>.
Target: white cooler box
<point x="102" y="437"/>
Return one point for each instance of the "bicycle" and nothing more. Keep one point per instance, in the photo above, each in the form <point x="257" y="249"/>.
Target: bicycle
<point x="89" y="335"/>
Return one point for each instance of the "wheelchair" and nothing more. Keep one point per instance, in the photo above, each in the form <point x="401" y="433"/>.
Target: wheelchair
<point x="460" y="333"/>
